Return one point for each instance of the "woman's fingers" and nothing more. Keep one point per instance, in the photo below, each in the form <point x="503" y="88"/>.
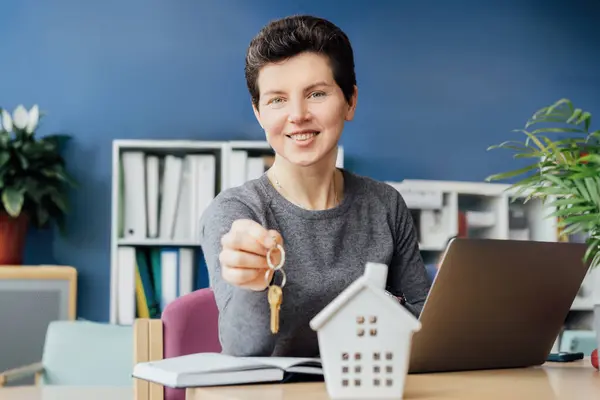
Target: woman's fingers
<point x="242" y="276"/>
<point x="243" y="255"/>
<point x="248" y="227"/>
<point x="239" y="241"/>
<point x="242" y="259"/>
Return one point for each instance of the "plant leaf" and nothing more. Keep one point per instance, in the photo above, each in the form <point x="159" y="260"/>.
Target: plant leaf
<point x="557" y="130"/>
<point x="592" y="189"/>
<point x="511" y="173"/>
<point x="576" y="114"/>
<point x="557" y="181"/>
<point x="532" y="138"/>
<point x="574" y="228"/>
<point x="593" y="135"/>
<point x="57" y="140"/>
<point x="578" y="219"/>
<point x="43" y="216"/>
<point x="4" y="157"/>
<point x="12" y="200"/>
<point x="60" y="201"/>
<point x="592" y="247"/>
<point x="511" y="144"/>
<point x="582" y="191"/>
<point x="559" y="103"/>
<point x="571" y="210"/>
<point x="596" y="261"/>
<point x="594" y="158"/>
<point x="566" y="202"/>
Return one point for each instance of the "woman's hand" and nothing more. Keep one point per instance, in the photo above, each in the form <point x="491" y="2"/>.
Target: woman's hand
<point x="244" y="254"/>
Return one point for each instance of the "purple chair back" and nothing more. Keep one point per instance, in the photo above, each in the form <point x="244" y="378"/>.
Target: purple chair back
<point x="190" y="325"/>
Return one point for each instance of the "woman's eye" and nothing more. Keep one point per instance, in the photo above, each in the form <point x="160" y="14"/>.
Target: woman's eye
<point x="317" y="94"/>
<point x="275" y="100"/>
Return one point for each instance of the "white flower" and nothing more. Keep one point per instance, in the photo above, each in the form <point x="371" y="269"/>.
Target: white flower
<point x="7" y="121"/>
<point x="34" y="117"/>
<point x="20" y="117"/>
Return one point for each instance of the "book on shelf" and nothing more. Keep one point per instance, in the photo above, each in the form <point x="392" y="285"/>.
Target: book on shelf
<point x="164" y="196"/>
<point x="247" y="165"/>
<point x="215" y="369"/>
<point x="149" y="278"/>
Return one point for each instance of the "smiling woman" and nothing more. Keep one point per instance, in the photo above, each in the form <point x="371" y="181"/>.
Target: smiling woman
<point x="302" y="84"/>
<point x="302" y="109"/>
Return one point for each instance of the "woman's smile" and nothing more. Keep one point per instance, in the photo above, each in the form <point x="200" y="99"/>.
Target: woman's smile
<point x="303" y="138"/>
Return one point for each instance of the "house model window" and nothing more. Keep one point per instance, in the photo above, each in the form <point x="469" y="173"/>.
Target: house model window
<point x="364" y="339"/>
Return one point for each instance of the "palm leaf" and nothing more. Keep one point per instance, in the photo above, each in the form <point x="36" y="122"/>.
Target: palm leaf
<point x="566" y="176"/>
<point x="512" y="173"/>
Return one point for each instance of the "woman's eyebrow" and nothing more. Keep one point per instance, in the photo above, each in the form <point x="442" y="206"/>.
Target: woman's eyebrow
<point x="314" y="85"/>
<point x="306" y="89"/>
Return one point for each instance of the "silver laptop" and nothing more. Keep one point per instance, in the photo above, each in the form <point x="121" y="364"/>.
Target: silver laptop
<point x="497" y="304"/>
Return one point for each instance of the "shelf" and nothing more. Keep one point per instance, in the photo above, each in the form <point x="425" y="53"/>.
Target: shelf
<point x="157" y="242"/>
<point x="167" y="144"/>
<point x="431" y="247"/>
<point x="582" y="305"/>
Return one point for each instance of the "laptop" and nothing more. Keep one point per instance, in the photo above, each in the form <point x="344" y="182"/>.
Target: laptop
<point x="497" y="304"/>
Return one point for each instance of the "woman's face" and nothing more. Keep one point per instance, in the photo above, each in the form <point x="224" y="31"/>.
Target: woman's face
<point x="302" y="109"/>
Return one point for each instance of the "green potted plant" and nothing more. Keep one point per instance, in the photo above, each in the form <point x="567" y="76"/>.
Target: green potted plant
<point x="34" y="181"/>
<point x="564" y="173"/>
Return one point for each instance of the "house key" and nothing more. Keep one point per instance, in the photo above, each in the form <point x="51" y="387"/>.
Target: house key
<point x="275" y="292"/>
<point x="275" y="297"/>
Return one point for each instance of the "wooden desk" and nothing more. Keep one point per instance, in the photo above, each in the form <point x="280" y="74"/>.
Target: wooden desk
<point x="65" y="393"/>
<point x="557" y="381"/>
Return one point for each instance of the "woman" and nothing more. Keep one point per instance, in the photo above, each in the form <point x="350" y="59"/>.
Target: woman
<point x="330" y="222"/>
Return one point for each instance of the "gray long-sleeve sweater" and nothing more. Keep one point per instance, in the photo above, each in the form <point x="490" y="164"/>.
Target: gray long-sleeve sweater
<point x="326" y="251"/>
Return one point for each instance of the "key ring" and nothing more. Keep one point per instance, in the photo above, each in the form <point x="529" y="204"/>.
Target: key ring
<point x="281" y="262"/>
<point x="283" y="277"/>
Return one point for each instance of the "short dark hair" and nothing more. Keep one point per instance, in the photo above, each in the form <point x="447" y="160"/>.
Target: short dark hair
<point x="287" y="37"/>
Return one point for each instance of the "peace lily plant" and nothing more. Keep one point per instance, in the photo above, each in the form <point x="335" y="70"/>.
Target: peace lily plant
<point x="564" y="171"/>
<point x="33" y="179"/>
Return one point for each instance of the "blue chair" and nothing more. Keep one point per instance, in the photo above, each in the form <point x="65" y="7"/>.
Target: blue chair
<point x="81" y="353"/>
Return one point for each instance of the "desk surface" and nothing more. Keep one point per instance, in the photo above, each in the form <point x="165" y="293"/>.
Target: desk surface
<point x="572" y="381"/>
<point x="65" y="393"/>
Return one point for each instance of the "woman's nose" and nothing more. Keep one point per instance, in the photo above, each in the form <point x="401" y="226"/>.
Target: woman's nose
<point x="298" y="112"/>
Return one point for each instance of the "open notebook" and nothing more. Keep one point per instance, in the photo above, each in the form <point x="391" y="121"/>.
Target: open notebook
<point x="214" y="369"/>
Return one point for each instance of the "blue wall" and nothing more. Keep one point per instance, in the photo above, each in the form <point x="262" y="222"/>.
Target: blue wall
<point x="439" y="81"/>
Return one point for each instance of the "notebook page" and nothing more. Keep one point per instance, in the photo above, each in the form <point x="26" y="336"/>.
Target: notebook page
<point x="206" y="363"/>
<point x="284" y="363"/>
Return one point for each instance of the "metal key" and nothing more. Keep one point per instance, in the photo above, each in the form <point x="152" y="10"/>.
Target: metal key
<point x="275" y="292"/>
<point x="275" y="297"/>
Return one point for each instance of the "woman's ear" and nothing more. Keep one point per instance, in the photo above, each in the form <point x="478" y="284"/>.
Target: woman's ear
<point x="352" y="105"/>
<point x="257" y="115"/>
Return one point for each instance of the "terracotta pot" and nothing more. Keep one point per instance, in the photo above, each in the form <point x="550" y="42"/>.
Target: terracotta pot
<point x="12" y="238"/>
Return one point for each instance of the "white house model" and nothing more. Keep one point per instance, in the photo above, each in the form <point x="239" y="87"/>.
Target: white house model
<point x="364" y="339"/>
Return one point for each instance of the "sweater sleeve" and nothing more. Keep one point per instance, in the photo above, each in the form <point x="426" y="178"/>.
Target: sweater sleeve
<point x="243" y="313"/>
<point x="407" y="273"/>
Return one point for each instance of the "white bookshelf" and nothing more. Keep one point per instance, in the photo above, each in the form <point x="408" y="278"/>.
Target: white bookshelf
<point x="159" y="148"/>
<point x="489" y="205"/>
<point x="439" y="220"/>
<point x="225" y="165"/>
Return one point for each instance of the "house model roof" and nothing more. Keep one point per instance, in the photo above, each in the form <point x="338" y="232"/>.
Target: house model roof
<point x="370" y="283"/>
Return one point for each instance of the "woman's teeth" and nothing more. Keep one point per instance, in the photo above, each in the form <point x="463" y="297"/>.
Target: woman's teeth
<point x="303" y="136"/>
